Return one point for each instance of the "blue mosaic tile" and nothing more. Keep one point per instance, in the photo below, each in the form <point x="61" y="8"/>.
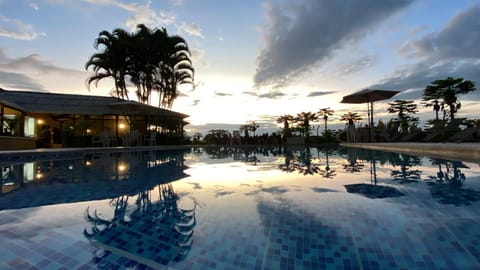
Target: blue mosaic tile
<point x="258" y="227"/>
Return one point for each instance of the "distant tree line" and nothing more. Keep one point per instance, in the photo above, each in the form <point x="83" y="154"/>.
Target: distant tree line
<point x="441" y="95"/>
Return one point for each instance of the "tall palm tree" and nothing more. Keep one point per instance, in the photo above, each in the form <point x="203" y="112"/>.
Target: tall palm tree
<point x="354" y="117"/>
<point x="153" y="60"/>
<point x="304" y="119"/>
<point x="112" y="62"/>
<point x="176" y="68"/>
<point x="447" y="91"/>
<point x="143" y="65"/>
<point x="253" y="126"/>
<point x="325" y="112"/>
<point x="285" y="119"/>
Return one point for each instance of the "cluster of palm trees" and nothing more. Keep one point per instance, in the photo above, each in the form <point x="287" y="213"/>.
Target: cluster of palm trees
<point x="150" y="60"/>
<point x="302" y="121"/>
<point x="250" y="126"/>
<point x="442" y="95"/>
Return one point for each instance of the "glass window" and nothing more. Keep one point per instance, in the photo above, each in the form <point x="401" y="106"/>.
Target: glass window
<point x="29" y="127"/>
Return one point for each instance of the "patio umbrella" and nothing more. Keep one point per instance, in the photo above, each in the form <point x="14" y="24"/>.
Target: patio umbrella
<point x="369" y="96"/>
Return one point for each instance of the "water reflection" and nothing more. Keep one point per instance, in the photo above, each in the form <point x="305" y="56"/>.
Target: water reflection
<point x="301" y="161"/>
<point x="247" y="154"/>
<point x="327" y="171"/>
<point x="95" y="176"/>
<point x="406" y="174"/>
<point x="372" y="190"/>
<point x="446" y="185"/>
<point x="106" y="174"/>
<point x="142" y="231"/>
<point x="353" y="165"/>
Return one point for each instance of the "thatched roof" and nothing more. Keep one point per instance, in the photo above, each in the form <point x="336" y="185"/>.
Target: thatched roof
<point x="54" y="103"/>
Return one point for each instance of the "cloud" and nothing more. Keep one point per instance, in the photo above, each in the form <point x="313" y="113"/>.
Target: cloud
<point x="250" y="93"/>
<point x="453" y="51"/>
<point x="198" y="57"/>
<point x="147" y="16"/>
<point x="195" y="185"/>
<point x="320" y="93"/>
<point x="359" y="64"/>
<point x="271" y="95"/>
<point x="16" y="29"/>
<point x="301" y="35"/>
<point x="17" y="81"/>
<point x="32" y="72"/>
<point x="191" y="29"/>
<point x="142" y="14"/>
<point x="195" y="102"/>
<point x="459" y="39"/>
<point x="220" y="94"/>
<point x="177" y="2"/>
<point x="34" y="6"/>
<point x="32" y="64"/>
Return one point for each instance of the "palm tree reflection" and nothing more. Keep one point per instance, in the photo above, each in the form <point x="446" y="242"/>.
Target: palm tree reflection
<point x="301" y="161"/>
<point x="353" y="165"/>
<point x="327" y="172"/>
<point x="142" y="230"/>
<point x="372" y="190"/>
<point x="405" y="174"/>
<point x="446" y="185"/>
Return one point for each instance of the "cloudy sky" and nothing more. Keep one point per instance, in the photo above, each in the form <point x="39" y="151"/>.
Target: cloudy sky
<point x="256" y="60"/>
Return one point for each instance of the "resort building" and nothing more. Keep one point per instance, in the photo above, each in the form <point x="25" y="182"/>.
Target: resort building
<point x="39" y="119"/>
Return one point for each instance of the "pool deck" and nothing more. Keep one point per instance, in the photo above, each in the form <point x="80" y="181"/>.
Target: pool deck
<point x="461" y="151"/>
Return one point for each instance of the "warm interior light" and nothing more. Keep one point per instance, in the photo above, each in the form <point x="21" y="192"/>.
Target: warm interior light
<point x="39" y="175"/>
<point x="122" y="167"/>
<point x="40" y="121"/>
<point x="122" y="126"/>
<point x="88" y="163"/>
<point x="89" y="131"/>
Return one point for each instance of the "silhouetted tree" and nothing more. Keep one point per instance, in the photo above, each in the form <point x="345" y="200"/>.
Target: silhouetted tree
<point x="447" y="90"/>
<point x="303" y="119"/>
<point x="325" y="112"/>
<point x="403" y="108"/>
<point x="153" y="60"/>
<point x="285" y="120"/>
<point x="253" y="126"/>
<point x="245" y="129"/>
<point x="217" y="136"/>
<point x="355" y="117"/>
<point x="196" y="137"/>
<point x="112" y="61"/>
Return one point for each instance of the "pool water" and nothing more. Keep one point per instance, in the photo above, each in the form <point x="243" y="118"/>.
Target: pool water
<point x="239" y="208"/>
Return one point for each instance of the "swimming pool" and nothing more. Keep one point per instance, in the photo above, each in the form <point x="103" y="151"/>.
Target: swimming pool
<point x="239" y="208"/>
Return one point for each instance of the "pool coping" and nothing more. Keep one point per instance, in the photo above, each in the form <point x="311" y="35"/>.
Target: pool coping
<point x="12" y="156"/>
<point x="461" y="151"/>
